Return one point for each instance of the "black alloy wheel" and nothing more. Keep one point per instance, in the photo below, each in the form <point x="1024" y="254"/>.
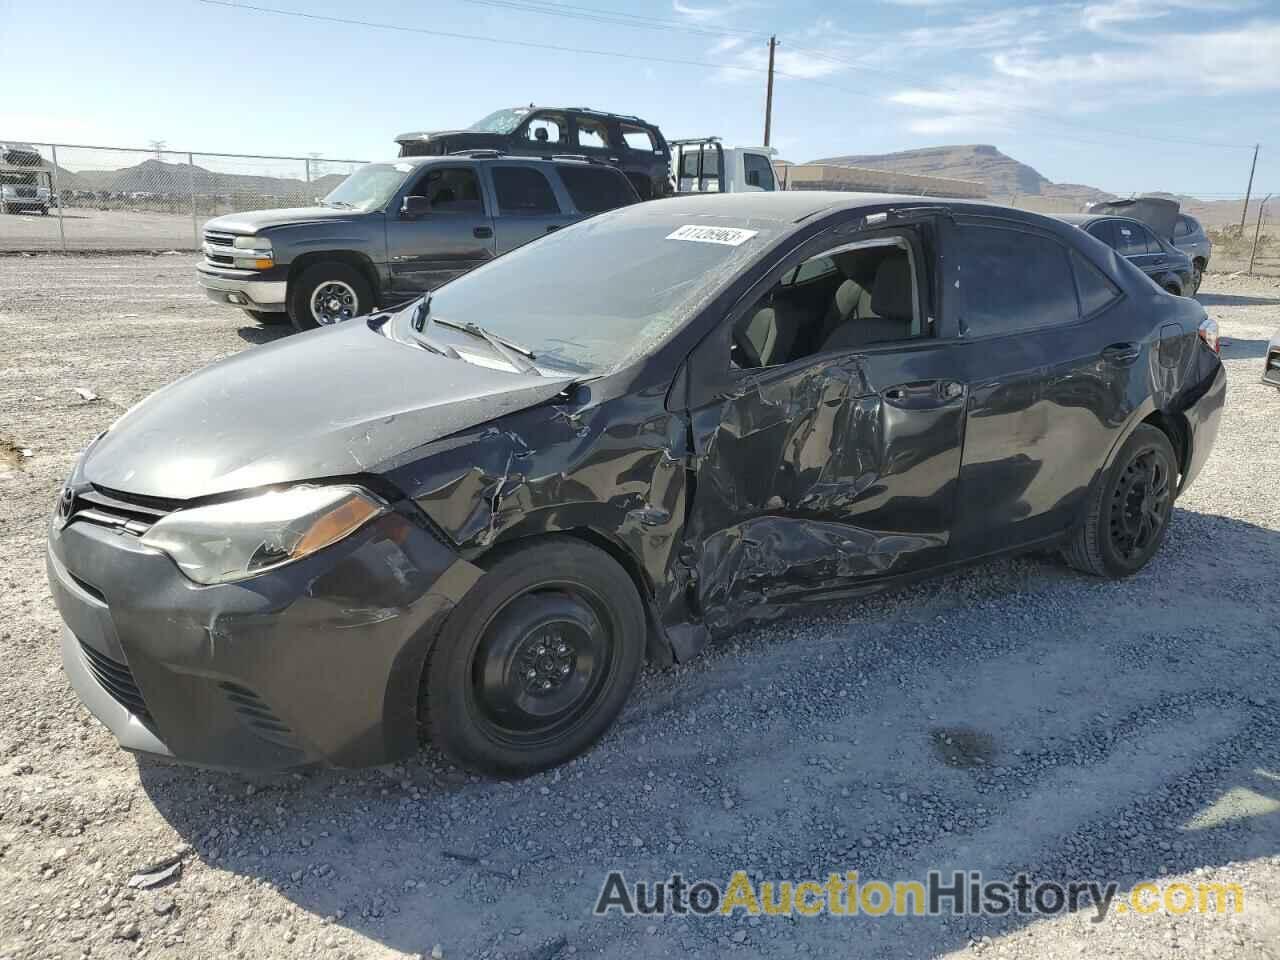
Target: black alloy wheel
<point x="1129" y="511"/>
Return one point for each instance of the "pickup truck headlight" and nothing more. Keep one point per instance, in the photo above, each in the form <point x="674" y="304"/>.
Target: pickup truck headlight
<point x="253" y="253"/>
<point x="238" y="539"/>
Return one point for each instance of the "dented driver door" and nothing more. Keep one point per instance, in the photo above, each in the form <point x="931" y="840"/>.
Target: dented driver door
<point x="822" y="476"/>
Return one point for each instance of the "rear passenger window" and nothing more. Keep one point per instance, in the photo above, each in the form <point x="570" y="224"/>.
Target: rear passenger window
<point x="523" y="190"/>
<point x="1096" y="288"/>
<point x="593" y="135"/>
<point x="595" y="189"/>
<point x="1182" y="228"/>
<point x="1131" y="240"/>
<point x="1009" y="280"/>
<point x="638" y="138"/>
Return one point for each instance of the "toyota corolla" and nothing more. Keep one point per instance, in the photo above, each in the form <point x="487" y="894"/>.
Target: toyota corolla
<point x="473" y="519"/>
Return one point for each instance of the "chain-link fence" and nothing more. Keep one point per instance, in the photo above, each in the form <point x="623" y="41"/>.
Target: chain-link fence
<point x="69" y="197"/>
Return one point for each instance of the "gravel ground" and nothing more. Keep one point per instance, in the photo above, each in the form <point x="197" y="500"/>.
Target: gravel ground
<point x="1013" y="716"/>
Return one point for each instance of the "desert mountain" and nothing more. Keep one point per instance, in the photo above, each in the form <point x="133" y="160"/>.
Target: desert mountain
<point x="1004" y="176"/>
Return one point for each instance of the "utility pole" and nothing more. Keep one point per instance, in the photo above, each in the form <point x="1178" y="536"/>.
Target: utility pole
<point x="1249" y="189"/>
<point x="768" y="97"/>
<point x="159" y="145"/>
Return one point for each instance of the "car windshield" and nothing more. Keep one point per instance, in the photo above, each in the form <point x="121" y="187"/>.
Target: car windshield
<point x="369" y="187"/>
<point x="595" y="296"/>
<point x="500" y="121"/>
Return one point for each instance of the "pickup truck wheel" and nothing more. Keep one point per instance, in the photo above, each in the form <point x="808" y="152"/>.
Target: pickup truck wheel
<point x="327" y="293"/>
<point x="268" y="316"/>
<point x="1197" y="277"/>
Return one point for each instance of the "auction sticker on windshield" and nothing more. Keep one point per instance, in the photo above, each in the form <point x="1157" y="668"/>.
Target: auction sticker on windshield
<point x="729" y="236"/>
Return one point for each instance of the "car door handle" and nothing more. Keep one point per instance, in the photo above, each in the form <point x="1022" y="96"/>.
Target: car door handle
<point x="923" y="394"/>
<point x="482" y="233"/>
<point x="1122" y="353"/>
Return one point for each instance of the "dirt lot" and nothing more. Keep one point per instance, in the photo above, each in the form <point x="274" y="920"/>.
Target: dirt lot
<point x="1012" y="716"/>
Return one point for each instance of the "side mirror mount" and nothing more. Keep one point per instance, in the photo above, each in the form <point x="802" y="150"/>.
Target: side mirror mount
<point x="412" y="208"/>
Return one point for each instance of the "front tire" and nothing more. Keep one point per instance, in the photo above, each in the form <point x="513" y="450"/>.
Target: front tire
<point x="537" y="660"/>
<point x="1129" y="512"/>
<point x="327" y="293"/>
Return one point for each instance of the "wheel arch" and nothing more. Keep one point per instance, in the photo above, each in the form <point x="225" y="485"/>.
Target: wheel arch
<point x="658" y="646"/>
<point x="351" y="258"/>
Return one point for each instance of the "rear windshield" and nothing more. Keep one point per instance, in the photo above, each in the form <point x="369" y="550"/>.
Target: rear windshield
<point x="596" y="189"/>
<point x="596" y="296"/>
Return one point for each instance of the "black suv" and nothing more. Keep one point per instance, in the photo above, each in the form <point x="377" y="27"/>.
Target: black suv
<point x="392" y="231"/>
<point x="629" y="143"/>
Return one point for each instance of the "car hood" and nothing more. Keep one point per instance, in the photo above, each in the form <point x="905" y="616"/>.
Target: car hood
<point x="1156" y="212"/>
<point x="255" y="220"/>
<point x="334" y="402"/>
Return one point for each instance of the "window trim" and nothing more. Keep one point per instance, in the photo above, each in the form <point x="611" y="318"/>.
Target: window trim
<point x="897" y="236"/>
<point x="653" y="141"/>
<point x="1018" y="226"/>
<point x="500" y="211"/>
<point x="410" y="190"/>
<point x="579" y="122"/>
<point x="561" y="120"/>
<point x="1121" y="294"/>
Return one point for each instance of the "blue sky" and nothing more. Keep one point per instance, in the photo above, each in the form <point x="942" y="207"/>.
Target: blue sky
<point x="1067" y="88"/>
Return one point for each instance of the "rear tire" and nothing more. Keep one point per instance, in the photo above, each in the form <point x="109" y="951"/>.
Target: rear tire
<point x="1129" y="512"/>
<point x="268" y="317"/>
<point x="328" y="292"/>
<point x="537" y="660"/>
<point x="1197" y="277"/>
<point x="1174" y="289"/>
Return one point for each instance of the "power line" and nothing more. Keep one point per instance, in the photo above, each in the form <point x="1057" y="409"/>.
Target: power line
<point x="453" y="35"/>
<point x="600" y="15"/>
<point x="589" y="13"/>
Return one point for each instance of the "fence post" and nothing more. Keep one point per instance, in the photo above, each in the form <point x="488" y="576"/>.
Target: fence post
<point x="195" y="219"/>
<point x="57" y="194"/>
<point x="308" y="163"/>
<point x="1257" y="230"/>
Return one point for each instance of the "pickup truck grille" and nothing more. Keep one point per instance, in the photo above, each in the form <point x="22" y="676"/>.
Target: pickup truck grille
<point x="214" y="246"/>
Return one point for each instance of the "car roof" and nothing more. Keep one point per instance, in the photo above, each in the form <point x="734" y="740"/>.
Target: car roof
<point x="1084" y="219"/>
<point x="494" y="156"/>
<point x="793" y="206"/>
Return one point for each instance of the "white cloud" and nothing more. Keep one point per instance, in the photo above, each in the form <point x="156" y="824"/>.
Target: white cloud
<point x="1025" y="82"/>
<point x="1101" y="17"/>
<point x="701" y="14"/>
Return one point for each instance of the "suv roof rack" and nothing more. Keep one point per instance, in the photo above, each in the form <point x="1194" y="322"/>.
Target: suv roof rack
<point x="582" y="157"/>
<point x="606" y="113"/>
<point x="692" y="140"/>
<point x="478" y="153"/>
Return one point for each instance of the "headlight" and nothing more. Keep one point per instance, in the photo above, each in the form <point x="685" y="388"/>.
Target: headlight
<point x="242" y="538"/>
<point x="253" y="253"/>
<point x="252" y="243"/>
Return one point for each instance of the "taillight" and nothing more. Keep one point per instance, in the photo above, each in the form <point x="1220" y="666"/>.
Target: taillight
<point x="1209" y="333"/>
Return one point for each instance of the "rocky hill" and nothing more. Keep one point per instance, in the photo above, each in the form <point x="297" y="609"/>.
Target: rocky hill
<point x="159" y="177"/>
<point x="1004" y="176"/>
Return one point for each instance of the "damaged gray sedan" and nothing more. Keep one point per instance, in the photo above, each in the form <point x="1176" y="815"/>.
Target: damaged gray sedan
<point x="474" y="519"/>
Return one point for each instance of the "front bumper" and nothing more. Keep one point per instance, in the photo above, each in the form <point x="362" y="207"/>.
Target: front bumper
<point x="317" y="662"/>
<point x="244" y="288"/>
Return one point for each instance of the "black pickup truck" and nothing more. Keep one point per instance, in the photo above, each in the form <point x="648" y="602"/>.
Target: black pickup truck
<point x="634" y="146"/>
<point x="392" y="231"/>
